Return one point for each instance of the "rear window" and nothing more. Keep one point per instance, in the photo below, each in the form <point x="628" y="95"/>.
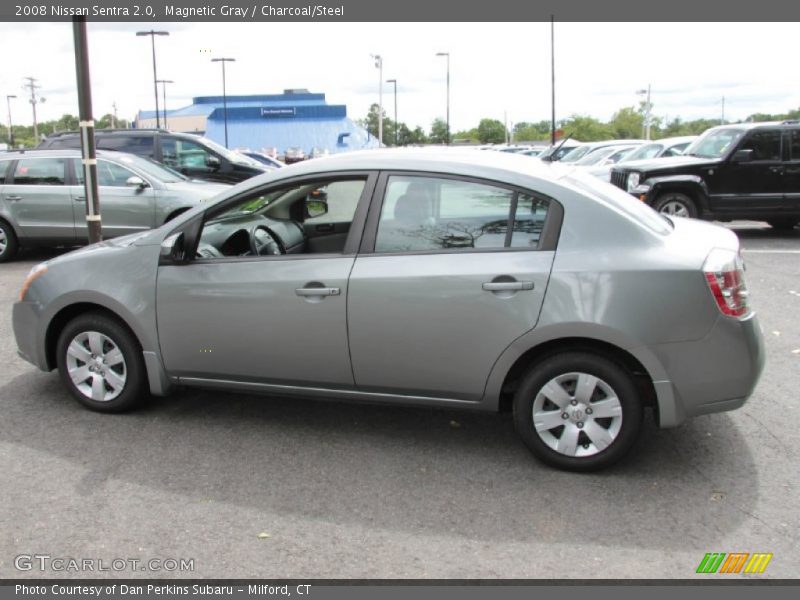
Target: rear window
<point x="621" y="201"/>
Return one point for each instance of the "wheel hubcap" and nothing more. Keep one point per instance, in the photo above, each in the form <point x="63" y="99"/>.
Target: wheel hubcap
<point x="577" y="414"/>
<point x="674" y="208"/>
<point x="3" y="241"/>
<point x="96" y="366"/>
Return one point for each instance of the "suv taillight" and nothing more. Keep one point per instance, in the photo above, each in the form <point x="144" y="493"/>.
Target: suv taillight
<point x="724" y="273"/>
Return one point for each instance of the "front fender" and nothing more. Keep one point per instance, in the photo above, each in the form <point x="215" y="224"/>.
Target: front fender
<point x="694" y="185"/>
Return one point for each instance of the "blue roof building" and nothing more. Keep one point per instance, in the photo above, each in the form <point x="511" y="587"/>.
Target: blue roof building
<point x="294" y="118"/>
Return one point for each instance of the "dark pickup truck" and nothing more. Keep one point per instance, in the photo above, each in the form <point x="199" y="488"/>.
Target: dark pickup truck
<point x="742" y="171"/>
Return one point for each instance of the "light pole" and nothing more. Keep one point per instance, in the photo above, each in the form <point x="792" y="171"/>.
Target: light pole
<point x="164" y="83"/>
<point x="153" y="35"/>
<point x="224" y="94"/>
<point x="647" y="108"/>
<point x="379" y="66"/>
<point x="447" y="54"/>
<point x="10" y="126"/>
<point x="394" y="83"/>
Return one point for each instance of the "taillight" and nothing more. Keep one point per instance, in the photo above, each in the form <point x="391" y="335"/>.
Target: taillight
<point x="724" y="273"/>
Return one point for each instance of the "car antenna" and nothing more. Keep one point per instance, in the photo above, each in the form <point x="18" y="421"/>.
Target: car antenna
<point x="549" y="157"/>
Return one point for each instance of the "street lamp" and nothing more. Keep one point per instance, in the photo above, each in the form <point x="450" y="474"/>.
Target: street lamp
<point x="647" y="107"/>
<point x="447" y="54"/>
<point x="153" y="35"/>
<point x="164" y="83"/>
<point x="10" y="130"/>
<point x="224" y="94"/>
<point x="379" y="66"/>
<point x="394" y="83"/>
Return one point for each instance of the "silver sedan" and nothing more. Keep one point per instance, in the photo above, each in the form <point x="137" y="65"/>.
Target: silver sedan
<point x="439" y="278"/>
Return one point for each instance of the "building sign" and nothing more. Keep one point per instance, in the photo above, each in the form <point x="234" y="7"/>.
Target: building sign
<point x="278" y="112"/>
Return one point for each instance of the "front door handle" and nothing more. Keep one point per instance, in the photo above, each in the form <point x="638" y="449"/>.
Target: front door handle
<point x="79" y="198"/>
<point x="14" y="198"/>
<point x="505" y="286"/>
<point x="777" y="170"/>
<point x="318" y="291"/>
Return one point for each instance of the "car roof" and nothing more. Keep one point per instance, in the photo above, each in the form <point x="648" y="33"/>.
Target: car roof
<point x="62" y="153"/>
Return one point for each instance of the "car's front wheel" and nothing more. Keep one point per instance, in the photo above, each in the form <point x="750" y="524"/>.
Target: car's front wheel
<point x="101" y="363"/>
<point x="578" y="411"/>
<point x="676" y="204"/>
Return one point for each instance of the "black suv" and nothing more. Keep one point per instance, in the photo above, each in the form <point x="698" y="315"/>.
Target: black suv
<point x="744" y="171"/>
<point x="194" y="156"/>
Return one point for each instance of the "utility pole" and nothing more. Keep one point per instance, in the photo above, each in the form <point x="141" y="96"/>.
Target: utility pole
<point x="447" y="55"/>
<point x="114" y="115"/>
<point x="10" y="126"/>
<point x="552" y="81"/>
<point x="722" y="119"/>
<point x="224" y="94"/>
<point x="32" y="87"/>
<point x="93" y="223"/>
<point x="152" y="33"/>
<point x="164" y="83"/>
<point x="379" y="66"/>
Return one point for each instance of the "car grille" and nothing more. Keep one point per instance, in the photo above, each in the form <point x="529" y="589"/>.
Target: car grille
<point x="619" y="178"/>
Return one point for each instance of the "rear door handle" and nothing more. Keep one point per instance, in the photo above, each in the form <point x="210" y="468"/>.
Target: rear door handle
<point x="79" y="198"/>
<point x="321" y="291"/>
<point x="503" y="286"/>
<point x="776" y="169"/>
<point x="14" y="198"/>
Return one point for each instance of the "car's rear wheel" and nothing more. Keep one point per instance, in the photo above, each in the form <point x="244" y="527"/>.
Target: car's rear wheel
<point x="8" y="242"/>
<point x="101" y="363"/>
<point x="783" y="224"/>
<point x="578" y="411"/>
<point x="676" y="204"/>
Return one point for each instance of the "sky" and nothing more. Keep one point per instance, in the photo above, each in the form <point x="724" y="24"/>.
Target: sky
<point x="497" y="70"/>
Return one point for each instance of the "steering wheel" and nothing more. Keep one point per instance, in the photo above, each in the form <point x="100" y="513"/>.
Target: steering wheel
<point x="263" y="242"/>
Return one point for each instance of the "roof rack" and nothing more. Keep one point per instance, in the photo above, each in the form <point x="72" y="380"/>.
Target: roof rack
<point x="110" y="130"/>
<point x="790" y="122"/>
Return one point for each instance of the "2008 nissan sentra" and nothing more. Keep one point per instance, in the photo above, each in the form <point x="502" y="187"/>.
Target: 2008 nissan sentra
<point x="427" y="277"/>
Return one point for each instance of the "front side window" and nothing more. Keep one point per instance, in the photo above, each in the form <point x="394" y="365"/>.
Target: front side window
<point x="4" y="166"/>
<point x="108" y="174"/>
<point x="274" y="221"/>
<point x="423" y="214"/>
<point x="766" y="145"/>
<point x="39" y="171"/>
<point x="795" y="145"/>
<point x="184" y="154"/>
<point x="715" y="143"/>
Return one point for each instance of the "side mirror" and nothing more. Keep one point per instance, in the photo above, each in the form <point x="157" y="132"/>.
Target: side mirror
<point x="743" y="155"/>
<point x="316" y="208"/>
<point x="212" y="162"/>
<point x="135" y="181"/>
<point x="173" y="250"/>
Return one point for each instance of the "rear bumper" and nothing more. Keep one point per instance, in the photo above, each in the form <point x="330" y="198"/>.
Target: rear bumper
<point x="715" y="374"/>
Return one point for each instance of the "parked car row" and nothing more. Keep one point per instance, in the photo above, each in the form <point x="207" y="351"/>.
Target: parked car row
<point x="42" y="197"/>
<point x="743" y="171"/>
<point x="447" y="278"/>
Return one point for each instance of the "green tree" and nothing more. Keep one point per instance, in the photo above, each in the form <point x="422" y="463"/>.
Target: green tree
<point x="586" y="129"/>
<point x="438" y="134"/>
<point x="532" y="132"/>
<point x="370" y="123"/>
<point x="627" y="123"/>
<point x="417" y="136"/>
<point x="491" y="131"/>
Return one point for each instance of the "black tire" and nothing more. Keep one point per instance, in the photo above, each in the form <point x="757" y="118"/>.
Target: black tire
<point x="622" y="433"/>
<point x="8" y="242"/>
<point x="124" y="397"/>
<point x="783" y="224"/>
<point x="668" y="202"/>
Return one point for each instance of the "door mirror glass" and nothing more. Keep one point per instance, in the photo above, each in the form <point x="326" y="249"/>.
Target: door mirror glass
<point x="135" y="181"/>
<point x="316" y="204"/>
<point x="745" y="155"/>
<point x="212" y="162"/>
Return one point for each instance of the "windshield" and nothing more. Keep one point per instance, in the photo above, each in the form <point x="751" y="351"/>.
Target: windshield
<point x="595" y="157"/>
<point x="151" y="168"/>
<point x="644" y="152"/>
<point x="714" y="143"/>
<point x="234" y="157"/>
<point x="576" y="154"/>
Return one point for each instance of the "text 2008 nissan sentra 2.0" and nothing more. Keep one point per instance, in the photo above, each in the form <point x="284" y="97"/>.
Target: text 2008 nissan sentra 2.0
<point x="437" y="278"/>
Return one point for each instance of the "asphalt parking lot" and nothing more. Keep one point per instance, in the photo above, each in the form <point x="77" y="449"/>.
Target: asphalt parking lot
<point x="248" y="486"/>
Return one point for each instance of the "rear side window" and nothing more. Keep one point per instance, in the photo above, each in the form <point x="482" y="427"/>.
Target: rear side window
<point x="62" y="141"/>
<point x="795" y="144"/>
<point x="134" y="144"/>
<point x="424" y="214"/>
<point x="108" y="174"/>
<point x="39" y="171"/>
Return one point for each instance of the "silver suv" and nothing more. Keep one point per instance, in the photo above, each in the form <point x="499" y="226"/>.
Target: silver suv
<point x="437" y="278"/>
<point x="42" y="198"/>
